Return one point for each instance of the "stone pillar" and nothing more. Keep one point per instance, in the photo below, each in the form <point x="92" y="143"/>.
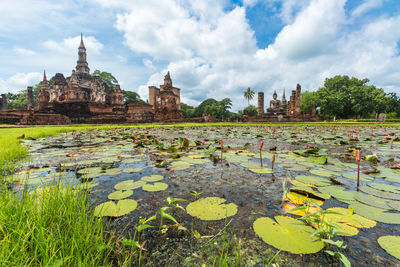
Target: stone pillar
<point x="298" y="96"/>
<point x="31" y="103"/>
<point x="260" y="107"/>
<point x="153" y="92"/>
<point x="3" y="103"/>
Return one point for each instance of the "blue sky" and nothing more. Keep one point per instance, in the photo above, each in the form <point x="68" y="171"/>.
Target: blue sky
<point x="212" y="48"/>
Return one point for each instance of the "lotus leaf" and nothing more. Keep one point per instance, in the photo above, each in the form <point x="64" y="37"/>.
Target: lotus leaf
<point x="155" y="187"/>
<point x="300" y="199"/>
<point x="152" y="178"/>
<point x="324" y="173"/>
<point x="113" y="171"/>
<point x="211" y="208"/>
<point x="346" y="216"/>
<point x="117" y="195"/>
<point x="262" y="170"/>
<point x="391" y="244"/>
<point x="287" y="234"/>
<point x="251" y="164"/>
<point x="195" y="160"/>
<point x="315" y="180"/>
<point x="337" y="192"/>
<point x="90" y="170"/>
<point x="110" y="209"/>
<point x="309" y="191"/>
<point x="288" y="207"/>
<point x="129" y="185"/>
<point x="180" y="165"/>
<point x="298" y="183"/>
<point x="129" y="170"/>
<point x="353" y="176"/>
<point x="376" y="214"/>
<point x="379" y="193"/>
<point x="372" y="200"/>
<point x="385" y="187"/>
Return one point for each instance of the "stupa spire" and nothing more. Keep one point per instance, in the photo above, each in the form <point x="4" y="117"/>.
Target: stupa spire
<point x="82" y="66"/>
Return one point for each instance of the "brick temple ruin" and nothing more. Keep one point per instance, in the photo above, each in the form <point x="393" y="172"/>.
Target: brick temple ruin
<point x="283" y="110"/>
<point x="84" y="98"/>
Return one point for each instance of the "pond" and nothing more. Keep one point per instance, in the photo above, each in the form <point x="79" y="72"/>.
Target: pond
<point x="248" y="188"/>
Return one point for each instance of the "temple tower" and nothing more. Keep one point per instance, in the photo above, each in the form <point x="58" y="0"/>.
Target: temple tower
<point x="284" y="102"/>
<point x="82" y="66"/>
<point x="117" y="96"/>
<point x="3" y="103"/>
<point x="44" y="95"/>
<point x="30" y="104"/>
<point x="260" y="107"/>
<point x="297" y="101"/>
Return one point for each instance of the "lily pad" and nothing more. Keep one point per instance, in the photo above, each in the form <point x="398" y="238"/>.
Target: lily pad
<point x="337" y="192"/>
<point x="155" y="187"/>
<point x="262" y="170"/>
<point x="129" y="185"/>
<point x="287" y="234"/>
<point x="110" y="209"/>
<point x="152" y="178"/>
<point x="324" y="173"/>
<point x="372" y="200"/>
<point x="315" y="180"/>
<point x="391" y="244"/>
<point x="385" y="187"/>
<point x="309" y="191"/>
<point x="211" y="208"/>
<point x="347" y="216"/>
<point x="353" y="176"/>
<point x="180" y="165"/>
<point x="379" y="193"/>
<point x="117" y="195"/>
<point x="90" y="170"/>
<point x="300" y="199"/>
<point x="376" y="214"/>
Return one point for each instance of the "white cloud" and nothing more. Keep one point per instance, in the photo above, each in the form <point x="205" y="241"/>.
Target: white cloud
<point x="23" y="52"/>
<point x="19" y="81"/>
<point x="366" y="6"/>
<point x="71" y="44"/>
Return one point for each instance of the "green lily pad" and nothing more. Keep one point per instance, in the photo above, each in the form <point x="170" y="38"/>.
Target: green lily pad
<point x="379" y="193"/>
<point x="110" y="209"/>
<point x="346" y="216"/>
<point x="314" y="180"/>
<point x="194" y="160"/>
<point x="90" y="170"/>
<point x="155" y="187"/>
<point x="262" y="170"/>
<point x="310" y="192"/>
<point x="391" y="244"/>
<point x="385" y="187"/>
<point x="251" y="165"/>
<point x="128" y="161"/>
<point x="87" y="185"/>
<point x="324" y="173"/>
<point x="295" y="168"/>
<point x="337" y="192"/>
<point x="372" y="200"/>
<point x="287" y="234"/>
<point x="353" y="176"/>
<point x="129" y="185"/>
<point x="211" y="208"/>
<point x="376" y="214"/>
<point x="180" y="165"/>
<point x="130" y="170"/>
<point x="152" y="178"/>
<point x="117" y="195"/>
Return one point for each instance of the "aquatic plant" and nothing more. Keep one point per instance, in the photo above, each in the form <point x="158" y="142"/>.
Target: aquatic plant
<point x="211" y="208"/>
<point x="391" y="244"/>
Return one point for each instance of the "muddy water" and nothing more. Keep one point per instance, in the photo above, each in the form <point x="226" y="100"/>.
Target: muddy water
<point x="257" y="195"/>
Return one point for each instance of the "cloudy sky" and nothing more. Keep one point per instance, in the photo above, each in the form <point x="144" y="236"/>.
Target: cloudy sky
<point x="212" y="48"/>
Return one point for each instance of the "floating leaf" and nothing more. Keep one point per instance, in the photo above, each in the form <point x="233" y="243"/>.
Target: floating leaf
<point x="353" y="176"/>
<point x="87" y="185"/>
<point x="385" y="187"/>
<point x="324" y="173"/>
<point x="300" y="199"/>
<point x="211" y="208"/>
<point x="309" y="191"/>
<point x="119" y="194"/>
<point x="288" y="208"/>
<point x="337" y="192"/>
<point x="379" y="193"/>
<point x="376" y="214"/>
<point x="372" y="200"/>
<point x="155" y="187"/>
<point x="90" y="170"/>
<point x="180" y="165"/>
<point x="391" y="244"/>
<point x="110" y="209"/>
<point x="129" y="185"/>
<point x="261" y="170"/>
<point x="129" y="170"/>
<point x="287" y="234"/>
<point x="152" y="178"/>
<point x="314" y="180"/>
<point x="346" y="216"/>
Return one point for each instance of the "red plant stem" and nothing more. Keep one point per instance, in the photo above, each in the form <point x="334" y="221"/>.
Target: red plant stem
<point x="273" y="161"/>
<point x="358" y="174"/>
<point x="261" y="159"/>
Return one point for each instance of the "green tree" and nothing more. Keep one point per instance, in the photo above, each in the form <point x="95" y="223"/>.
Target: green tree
<point x="248" y="94"/>
<point x="107" y="77"/>
<point x="187" y="110"/>
<point x="218" y="109"/>
<point x="131" y="97"/>
<point x="308" y="99"/>
<point x="250" y="110"/>
<point x="200" y="109"/>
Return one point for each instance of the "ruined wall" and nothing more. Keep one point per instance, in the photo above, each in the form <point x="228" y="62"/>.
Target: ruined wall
<point x="297" y="103"/>
<point x="31" y="102"/>
<point x="3" y="102"/>
<point x="260" y="106"/>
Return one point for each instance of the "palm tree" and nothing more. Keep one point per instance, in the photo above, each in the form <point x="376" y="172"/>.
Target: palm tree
<point x="248" y="94"/>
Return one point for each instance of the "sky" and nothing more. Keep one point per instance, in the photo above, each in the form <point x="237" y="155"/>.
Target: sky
<point x="213" y="49"/>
